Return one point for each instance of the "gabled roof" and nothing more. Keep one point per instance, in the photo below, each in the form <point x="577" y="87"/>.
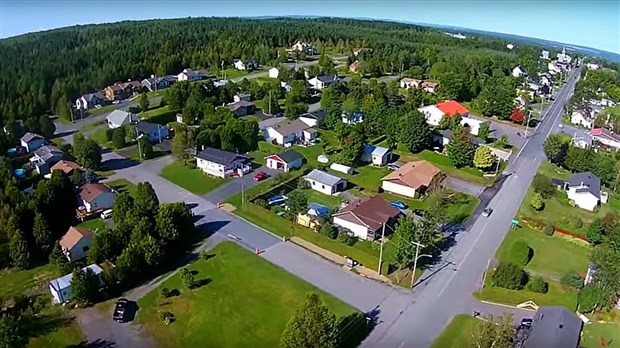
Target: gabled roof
<point x="323" y="177"/>
<point x="241" y="103"/>
<point x="410" y="80"/>
<point x="605" y="133"/>
<point x="90" y="191"/>
<point x="64" y="282"/>
<point x="452" y="108"/>
<point x="327" y="78"/>
<point x="120" y="117"/>
<point x="554" y="327"/>
<point x="90" y="96"/>
<point x="316" y="115"/>
<point x="47" y="152"/>
<point x="588" y="182"/>
<point x="288" y="156"/>
<point x="374" y="150"/>
<point x="218" y="156"/>
<point x="28" y="137"/>
<point x="448" y="133"/>
<point x="145" y="127"/>
<point x="291" y="128"/>
<point x="65" y="166"/>
<point x="73" y="236"/>
<point x="372" y="212"/>
<point x="414" y="174"/>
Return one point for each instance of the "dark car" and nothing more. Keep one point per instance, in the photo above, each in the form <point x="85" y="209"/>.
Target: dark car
<point x="120" y="310"/>
<point x="526" y="322"/>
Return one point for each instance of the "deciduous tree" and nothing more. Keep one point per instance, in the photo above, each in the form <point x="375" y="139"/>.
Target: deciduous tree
<point x="493" y="332"/>
<point x="85" y="286"/>
<point x="42" y="234"/>
<point x="146" y="202"/>
<point x="144" y="102"/>
<point x="484" y="158"/>
<point x="297" y="203"/>
<point x="555" y="147"/>
<point x="461" y="148"/>
<point x="312" y="326"/>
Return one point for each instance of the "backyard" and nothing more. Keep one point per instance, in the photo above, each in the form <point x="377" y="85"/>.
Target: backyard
<point x="457" y="334"/>
<point x="123" y="185"/>
<point x="601" y="327"/>
<point x="191" y="179"/>
<point x="96" y="225"/>
<point x="243" y="301"/>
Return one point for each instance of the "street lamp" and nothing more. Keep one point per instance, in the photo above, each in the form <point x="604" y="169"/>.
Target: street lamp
<point x="415" y="260"/>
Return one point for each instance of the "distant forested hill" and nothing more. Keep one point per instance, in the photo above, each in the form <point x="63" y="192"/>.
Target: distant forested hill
<point x="40" y="70"/>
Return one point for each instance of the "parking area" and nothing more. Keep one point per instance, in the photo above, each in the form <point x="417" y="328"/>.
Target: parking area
<point x="233" y="187"/>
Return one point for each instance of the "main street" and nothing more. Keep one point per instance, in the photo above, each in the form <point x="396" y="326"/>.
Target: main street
<point x="447" y="292"/>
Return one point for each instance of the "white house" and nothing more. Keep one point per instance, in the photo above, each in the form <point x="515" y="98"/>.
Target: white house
<point x="432" y="113"/>
<point x="285" y="161"/>
<point x="31" y="141"/>
<point x="584" y="189"/>
<point x="376" y="155"/>
<point x="96" y="196"/>
<point x="518" y="71"/>
<point x="582" y="117"/>
<point x="474" y="124"/>
<point x="430" y="87"/>
<point x="305" y="47"/>
<point x="544" y="55"/>
<point x="312" y="119"/>
<point x="593" y="66"/>
<point x="321" y="82"/>
<point x="119" y="118"/>
<point x="192" y="75"/>
<point x="274" y="73"/>
<point x="60" y="288"/>
<point x="324" y="182"/>
<point x="553" y="68"/>
<point x="353" y="117"/>
<point x="250" y="64"/>
<point x="76" y="242"/>
<point x="364" y="218"/>
<point x="563" y="57"/>
<point x="606" y="137"/>
<point x="287" y="134"/>
<point x="412" y="179"/>
<point x="221" y="163"/>
<point x="410" y="83"/>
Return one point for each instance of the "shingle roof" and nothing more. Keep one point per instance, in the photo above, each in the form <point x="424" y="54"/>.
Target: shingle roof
<point x="554" y="327"/>
<point x="291" y="128"/>
<point x="48" y="151"/>
<point x="236" y="105"/>
<point x="323" y="177"/>
<point x="28" y="137"/>
<point x="289" y="156"/>
<point x="145" y="127"/>
<point x="327" y="78"/>
<point x="65" y="281"/>
<point x="120" y="116"/>
<point x="452" y="108"/>
<point x="370" y="211"/>
<point x="414" y="174"/>
<point x="316" y="115"/>
<point x="90" y="191"/>
<point x="73" y="236"/>
<point x="375" y="150"/>
<point x="65" y="166"/>
<point x="447" y="133"/>
<point x="218" y="156"/>
<point x="590" y="182"/>
<point x="605" y="133"/>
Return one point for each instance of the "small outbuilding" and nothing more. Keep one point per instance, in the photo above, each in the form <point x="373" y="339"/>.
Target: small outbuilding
<point x="341" y="168"/>
<point x="60" y="288"/>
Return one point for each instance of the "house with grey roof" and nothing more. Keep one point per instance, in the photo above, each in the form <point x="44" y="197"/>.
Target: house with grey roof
<point x="554" y="327"/>
<point x="241" y="108"/>
<point x="31" y="141"/>
<point x="289" y="133"/>
<point x="584" y="189"/>
<point x="285" y="161"/>
<point x="89" y="101"/>
<point x="324" y="182"/>
<point x="119" y="118"/>
<point x="45" y="157"/>
<point x="192" y="75"/>
<point x="376" y="155"/>
<point x="321" y="82"/>
<point x="154" y="131"/>
<point x="222" y="163"/>
<point x="312" y="119"/>
<point x="154" y="83"/>
<point x="443" y="137"/>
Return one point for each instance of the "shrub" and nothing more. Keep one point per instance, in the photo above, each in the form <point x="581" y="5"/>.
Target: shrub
<point x="167" y="317"/>
<point x="329" y="231"/>
<point x="118" y="138"/>
<point x="165" y="293"/>
<point x="521" y="253"/>
<point x="191" y="164"/>
<point x="345" y="238"/>
<point x="188" y="278"/>
<point x="571" y="281"/>
<point x="549" y="229"/>
<point x="542" y="184"/>
<point x="109" y="133"/>
<point x="509" y="276"/>
<point x="302" y="184"/>
<point x="261" y="202"/>
<point x="537" y="201"/>
<point x="538" y="284"/>
<point x="576" y="222"/>
<point x="589" y="298"/>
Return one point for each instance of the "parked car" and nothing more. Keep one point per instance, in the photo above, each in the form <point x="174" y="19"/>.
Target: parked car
<point x="261" y="176"/>
<point x="486" y="212"/>
<point x="393" y="166"/>
<point x="120" y="310"/>
<point x="398" y="205"/>
<point x="116" y="102"/>
<point x="276" y="200"/>
<point x="106" y="214"/>
<point x="526" y="322"/>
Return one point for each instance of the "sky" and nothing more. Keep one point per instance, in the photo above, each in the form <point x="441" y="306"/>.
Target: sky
<point x="590" y="23"/>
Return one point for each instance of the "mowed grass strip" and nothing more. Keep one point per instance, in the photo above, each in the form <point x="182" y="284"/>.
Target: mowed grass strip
<point x="457" y="334"/>
<point x="245" y="302"/>
<point x="193" y="180"/>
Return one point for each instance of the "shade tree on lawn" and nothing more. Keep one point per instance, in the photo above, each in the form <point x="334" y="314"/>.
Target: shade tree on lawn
<point x="415" y="133"/>
<point x="312" y="325"/>
<point x="461" y="148"/>
<point x="484" y="158"/>
<point x="495" y="332"/>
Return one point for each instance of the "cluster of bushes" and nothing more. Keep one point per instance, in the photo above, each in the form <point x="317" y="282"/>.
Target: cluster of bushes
<point x="329" y="231"/>
<point x="521" y="253"/>
<point x="511" y="276"/>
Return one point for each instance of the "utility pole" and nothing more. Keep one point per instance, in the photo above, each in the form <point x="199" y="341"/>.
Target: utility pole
<point x="381" y="250"/>
<point x="222" y="69"/>
<point x="269" y="102"/>
<point x="415" y="261"/>
<point x="139" y="148"/>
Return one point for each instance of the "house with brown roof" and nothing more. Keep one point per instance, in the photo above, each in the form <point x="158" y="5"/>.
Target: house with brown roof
<point x="355" y="67"/>
<point x="412" y="179"/>
<point x="365" y="217"/>
<point x="68" y="167"/>
<point x="76" y="243"/>
<point x="95" y="196"/>
<point x="122" y="90"/>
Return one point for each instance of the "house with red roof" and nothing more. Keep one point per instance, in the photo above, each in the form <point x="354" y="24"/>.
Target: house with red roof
<point x="434" y="114"/>
<point x="451" y="108"/>
<point x="606" y="137"/>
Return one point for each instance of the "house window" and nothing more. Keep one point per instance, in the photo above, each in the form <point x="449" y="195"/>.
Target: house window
<point x="85" y="249"/>
<point x="323" y="186"/>
<point x="313" y="183"/>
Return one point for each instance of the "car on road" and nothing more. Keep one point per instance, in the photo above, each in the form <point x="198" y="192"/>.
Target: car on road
<point x="398" y="205"/>
<point x="393" y="166"/>
<point x="120" y="310"/>
<point x="116" y="102"/>
<point x="487" y="212"/>
<point x="261" y="176"/>
<point x="526" y="322"/>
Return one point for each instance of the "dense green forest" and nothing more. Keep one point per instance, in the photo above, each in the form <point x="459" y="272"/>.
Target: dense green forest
<point x="41" y="72"/>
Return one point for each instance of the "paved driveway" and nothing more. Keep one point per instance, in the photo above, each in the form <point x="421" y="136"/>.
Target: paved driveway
<point x="234" y="186"/>
<point x="464" y="186"/>
<point x="101" y="331"/>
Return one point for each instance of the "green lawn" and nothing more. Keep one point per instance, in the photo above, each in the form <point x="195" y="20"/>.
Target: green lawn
<point x="16" y="282"/>
<point x="332" y="202"/>
<point x="246" y="302"/>
<point x="162" y="115"/>
<point x="54" y="327"/>
<point x="457" y="334"/>
<point x="193" y="180"/>
<point x="553" y="255"/>
<point x="100" y="137"/>
<point x="123" y="185"/>
<point x="95" y="225"/>
<point x="443" y="163"/>
<point x="592" y="333"/>
<point x="102" y="110"/>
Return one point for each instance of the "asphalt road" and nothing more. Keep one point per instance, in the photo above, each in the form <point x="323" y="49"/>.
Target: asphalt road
<point x="234" y="186"/>
<point x="447" y="292"/>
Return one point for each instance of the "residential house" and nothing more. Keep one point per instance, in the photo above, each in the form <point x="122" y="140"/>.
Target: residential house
<point x="352" y="117"/>
<point x="305" y="47"/>
<point x="534" y="86"/>
<point x="606" y="137"/>
<point x="324" y="182"/>
<point x="583" y="116"/>
<point x="222" y="163"/>
<point x="94" y="197"/>
<point x="285" y="86"/>
<point x="412" y="179"/>
<point x="376" y="155"/>
<point x="242" y="96"/>
<point x="432" y="114"/>
<point x="584" y="189"/>
<point x="321" y="82"/>
<point x="451" y="108"/>
<point x="153" y="131"/>
<point x="546" y="80"/>
<point x="274" y="73"/>
<point x="442" y="137"/>
<point x="119" y="118"/>
<point x="89" y="101"/>
<point x="312" y="119"/>
<point x="430" y="87"/>
<point x="76" y="242"/>
<point x="192" y="75"/>
<point x="355" y="67"/>
<point x="122" y="90"/>
<point x="520" y="102"/>
<point x="287" y="134"/>
<point x="518" y="71"/>
<point x="60" y="288"/>
<point x="407" y="83"/>
<point x="241" y="108"/>
<point x="544" y="55"/>
<point x="285" y="161"/>
<point x="554" y="327"/>
<point x="31" y="141"/>
<point x="249" y="64"/>
<point x="67" y="167"/>
<point x="155" y="83"/>
<point x="602" y="102"/>
<point x="593" y="66"/>
<point x="45" y="157"/>
<point x="314" y="217"/>
<point x="365" y="217"/>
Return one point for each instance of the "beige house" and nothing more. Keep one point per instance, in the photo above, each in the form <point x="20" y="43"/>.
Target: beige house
<point x="76" y="243"/>
<point x="95" y="196"/>
<point x="412" y="179"/>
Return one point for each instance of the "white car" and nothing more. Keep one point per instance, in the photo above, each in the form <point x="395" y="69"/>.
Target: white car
<point x="106" y="214"/>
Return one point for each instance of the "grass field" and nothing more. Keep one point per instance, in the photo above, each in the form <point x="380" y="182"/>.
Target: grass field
<point x="102" y="110"/>
<point x="16" y="282"/>
<point x="594" y="331"/>
<point x="54" y="327"/>
<point x="332" y="202"/>
<point x="193" y="180"/>
<point x="123" y="185"/>
<point x="246" y="302"/>
<point x="162" y="115"/>
<point x="457" y="334"/>
<point x="96" y="224"/>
